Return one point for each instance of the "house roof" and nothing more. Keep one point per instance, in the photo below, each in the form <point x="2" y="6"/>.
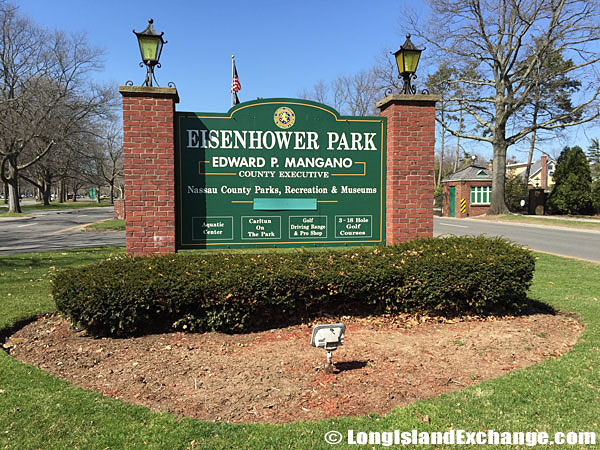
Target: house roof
<point x="470" y="173"/>
<point x="536" y="166"/>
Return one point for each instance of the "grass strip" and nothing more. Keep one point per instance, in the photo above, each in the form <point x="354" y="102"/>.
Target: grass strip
<point x="545" y="221"/>
<point x="40" y="411"/>
<point x="57" y="205"/>
<point x="107" y="225"/>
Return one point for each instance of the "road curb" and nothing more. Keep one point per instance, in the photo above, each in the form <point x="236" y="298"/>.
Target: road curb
<point x="16" y="219"/>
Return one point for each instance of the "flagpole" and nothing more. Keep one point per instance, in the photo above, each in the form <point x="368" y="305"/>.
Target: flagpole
<point x="235" y="83"/>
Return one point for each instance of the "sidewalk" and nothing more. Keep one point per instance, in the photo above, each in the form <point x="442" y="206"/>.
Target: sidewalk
<point x="591" y="224"/>
<point x="591" y="219"/>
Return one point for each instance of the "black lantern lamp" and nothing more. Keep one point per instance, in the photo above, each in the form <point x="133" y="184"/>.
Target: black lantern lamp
<point x="151" y="44"/>
<point x="407" y="58"/>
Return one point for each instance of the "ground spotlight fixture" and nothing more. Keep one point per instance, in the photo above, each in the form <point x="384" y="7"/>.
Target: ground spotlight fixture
<point x="328" y="337"/>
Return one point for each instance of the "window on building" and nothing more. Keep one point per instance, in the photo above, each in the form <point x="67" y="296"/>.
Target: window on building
<point x="480" y="195"/>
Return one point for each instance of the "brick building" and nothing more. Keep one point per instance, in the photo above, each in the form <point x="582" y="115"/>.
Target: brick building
<point x="467" y="192"/>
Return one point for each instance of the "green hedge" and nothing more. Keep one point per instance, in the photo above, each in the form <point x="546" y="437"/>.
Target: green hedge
<point x="252" y="291"/>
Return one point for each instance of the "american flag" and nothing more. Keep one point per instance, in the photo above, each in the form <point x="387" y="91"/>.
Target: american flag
<point x="235" y="84"/>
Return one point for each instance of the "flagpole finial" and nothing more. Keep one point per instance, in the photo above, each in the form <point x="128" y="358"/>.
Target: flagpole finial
<point x="232" y="56"/>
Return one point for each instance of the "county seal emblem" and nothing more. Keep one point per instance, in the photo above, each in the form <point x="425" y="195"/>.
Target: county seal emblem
<point x="284" y="117"/>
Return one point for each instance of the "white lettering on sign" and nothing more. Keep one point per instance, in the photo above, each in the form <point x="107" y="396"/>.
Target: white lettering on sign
<point x="261" y="140"/>
<point x="359" y="190"/>
<point x="236" y="190"/>
<point x="358" y="141"/>
<point x="319" y="162"/>
<point x="201" y="190"/>
<point x="238" y="161"/>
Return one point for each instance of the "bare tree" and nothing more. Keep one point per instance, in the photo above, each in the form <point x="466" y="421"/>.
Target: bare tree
<point x="43" y="93"/>
<point x="63" y="166"/>
<point x="353" y="95"/>
<point x="506" y="42"/>
<point x="321" y="92"/>
<point x="440" y="83"/>
<point x="437" y="83"/>
<point x="99" y="161"/>
<point x="551" y="96"/>
<point x="109" y="157"/>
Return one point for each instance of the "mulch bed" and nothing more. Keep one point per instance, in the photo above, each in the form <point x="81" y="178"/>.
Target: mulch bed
<point x="276" y="376"/>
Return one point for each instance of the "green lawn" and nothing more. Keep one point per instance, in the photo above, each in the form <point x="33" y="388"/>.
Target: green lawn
<point x="40" y="411"/>
<point x="107" y="225"/>
<point x="547" y="221"/>
<point x="57" y="205"/>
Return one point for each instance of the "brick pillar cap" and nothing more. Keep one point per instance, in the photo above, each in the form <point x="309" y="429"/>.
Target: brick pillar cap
<point x="149" y="91"/>
<point x="403" y="99"/>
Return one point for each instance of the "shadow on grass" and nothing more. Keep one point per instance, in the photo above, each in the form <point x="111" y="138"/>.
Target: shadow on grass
<point x="7" y="332"/>
<point x="531" y="307"/>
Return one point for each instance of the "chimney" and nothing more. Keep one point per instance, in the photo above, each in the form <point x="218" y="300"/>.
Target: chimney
<point x="544" y="173"/>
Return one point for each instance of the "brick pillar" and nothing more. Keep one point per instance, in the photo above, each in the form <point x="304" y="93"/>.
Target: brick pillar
<point x="149" y="166"/>
<point x="119" y="209"/>
<point x="410" y="166"/>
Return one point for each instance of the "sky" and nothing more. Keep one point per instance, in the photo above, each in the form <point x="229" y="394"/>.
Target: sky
<point x="281" y="47"/>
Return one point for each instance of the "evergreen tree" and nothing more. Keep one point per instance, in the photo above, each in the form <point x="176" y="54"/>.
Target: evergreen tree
<point x="515" y="191"/>
<point x="594" y="158"/>
<point x="596" y="196"/>
<point x="522" y="51"/>
<point x="572" y="193"/>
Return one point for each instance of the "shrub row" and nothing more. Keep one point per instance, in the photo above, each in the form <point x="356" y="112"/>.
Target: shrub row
<point x="251" y="291"/>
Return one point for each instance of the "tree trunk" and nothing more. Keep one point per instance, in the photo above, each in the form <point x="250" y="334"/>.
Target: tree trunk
<point x="530" y="158"/>
<point x="457" y="155"/>
<point x="5" y="193"/>
<point x="442" y="141"/>
<point x="14" y="205"/>
<point x="112" y="193"/>
<point x="532" y="146"/>
<point x="46" y="194"/>
<point x="62" y="197"/>
<point x="498" y="201"/>
<point x="47" y="188"/>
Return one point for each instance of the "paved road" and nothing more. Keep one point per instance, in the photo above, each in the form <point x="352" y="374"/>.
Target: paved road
<point x="560" y="241"/>
<point x="53" y="230"/>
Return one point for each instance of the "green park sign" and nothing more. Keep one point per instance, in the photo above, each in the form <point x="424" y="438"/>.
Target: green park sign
<point x="279" y="172"/>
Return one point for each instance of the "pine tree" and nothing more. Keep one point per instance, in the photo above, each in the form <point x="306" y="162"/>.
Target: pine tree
<point x="572" y="192"/>
<point x="596" y="196"/>
<point x="593" y="154"/>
